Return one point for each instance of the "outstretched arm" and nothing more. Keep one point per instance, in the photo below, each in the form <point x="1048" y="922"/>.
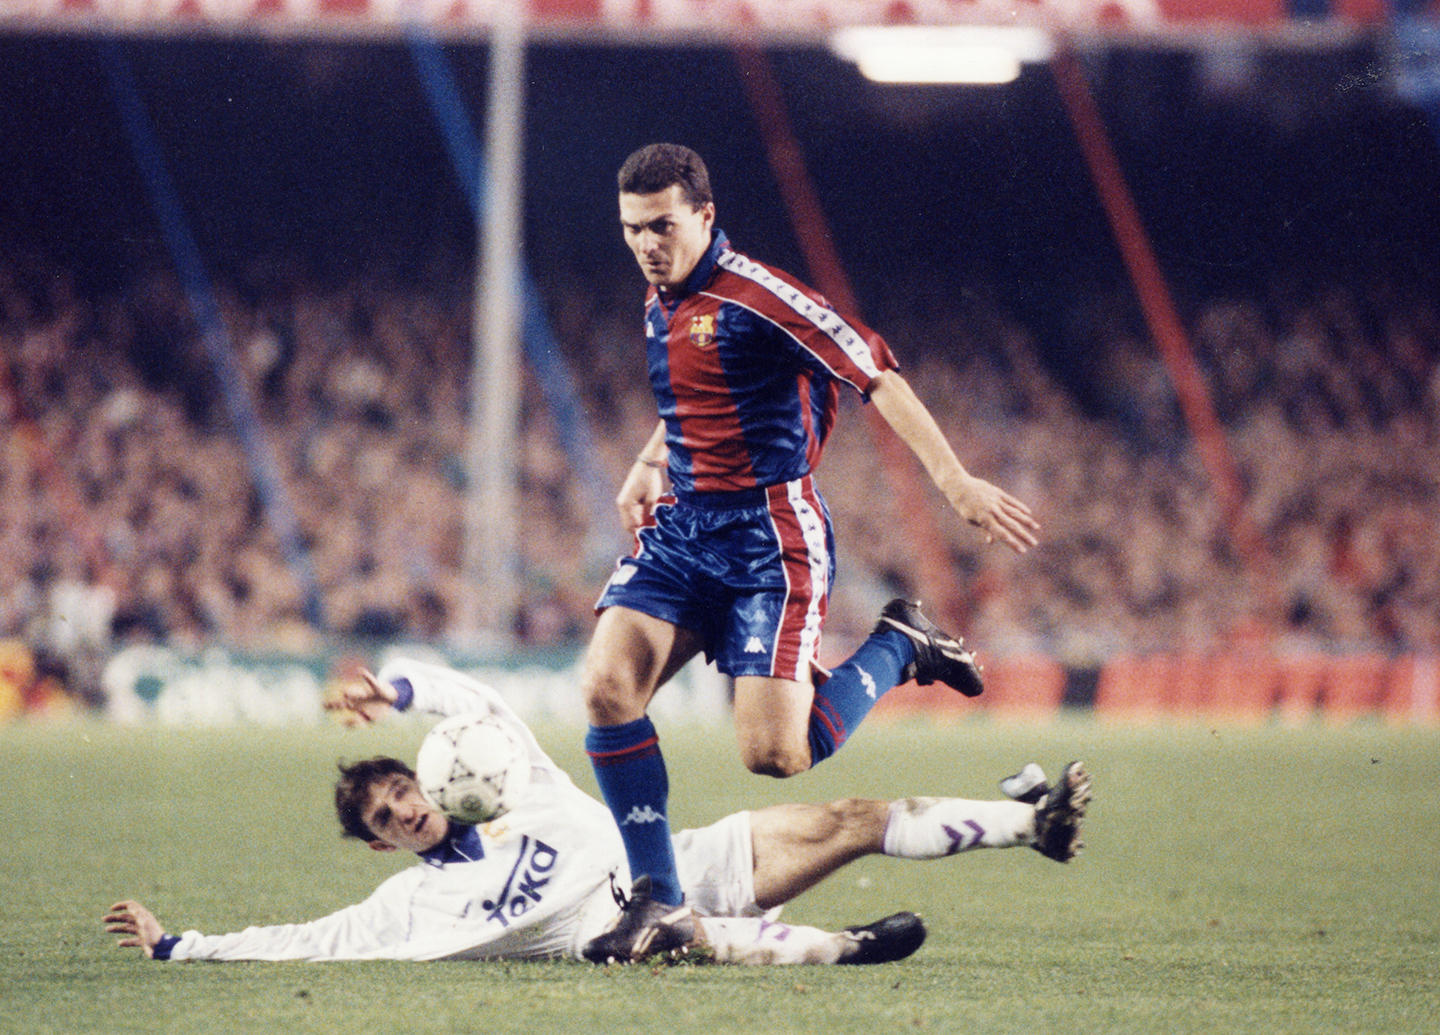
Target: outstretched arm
<point x="361" y="701"/>
<point x="405" y="685"/>
<point x="137" y="924"/>
<point x="380" y="927"/>
<point x="988" y="507"/>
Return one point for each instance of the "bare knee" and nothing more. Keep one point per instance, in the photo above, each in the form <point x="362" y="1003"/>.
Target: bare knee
<point x="610" y="699"/>
<point x="629" y="657"/>
<point x="778" y="760"/>
<point x="772" y="724"/>
<point x="858" y="820"/>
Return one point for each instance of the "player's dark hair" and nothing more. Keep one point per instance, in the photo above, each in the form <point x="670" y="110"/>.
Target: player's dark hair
<point x="352" y="791"/>
<point x="655" y="167"/>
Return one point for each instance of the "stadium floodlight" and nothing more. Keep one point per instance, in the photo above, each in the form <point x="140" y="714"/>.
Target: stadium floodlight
<point x="975" y="54"/>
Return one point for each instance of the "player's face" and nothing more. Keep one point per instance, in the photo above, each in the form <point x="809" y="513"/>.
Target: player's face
<point x="400" y="816"/>
<point x="666" y="234"/>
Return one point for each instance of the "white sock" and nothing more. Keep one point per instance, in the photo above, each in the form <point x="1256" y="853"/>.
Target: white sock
<point x="757" y="942"/>
<point x="930" y="828"/>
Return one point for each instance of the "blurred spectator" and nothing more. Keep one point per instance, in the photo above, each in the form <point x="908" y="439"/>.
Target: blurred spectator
<point x="128" y="512"/>
<point x="31" y="686"/>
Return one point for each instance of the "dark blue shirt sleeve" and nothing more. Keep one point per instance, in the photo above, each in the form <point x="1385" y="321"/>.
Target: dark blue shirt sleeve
<point x="166" y="945"/>
<point x="404" y="694"/>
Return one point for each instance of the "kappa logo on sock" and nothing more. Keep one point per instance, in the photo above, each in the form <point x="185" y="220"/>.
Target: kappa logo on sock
<point x="867" y="681"/>
<point x="643" y="815"/>
<point x="754" y="646"/>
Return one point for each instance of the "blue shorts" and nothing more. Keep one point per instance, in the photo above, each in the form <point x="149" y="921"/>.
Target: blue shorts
<point x="749" y="571"/>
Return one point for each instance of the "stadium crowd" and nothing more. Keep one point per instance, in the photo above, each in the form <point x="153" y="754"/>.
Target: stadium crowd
<point x="129" y="509"/>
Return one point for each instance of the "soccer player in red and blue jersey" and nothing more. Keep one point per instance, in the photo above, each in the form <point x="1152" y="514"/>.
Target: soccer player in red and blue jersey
<point x="746" y="364"/>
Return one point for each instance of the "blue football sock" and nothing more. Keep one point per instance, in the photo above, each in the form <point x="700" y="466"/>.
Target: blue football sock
<point x="632" y="777"/>
<point x="844" y="699"/>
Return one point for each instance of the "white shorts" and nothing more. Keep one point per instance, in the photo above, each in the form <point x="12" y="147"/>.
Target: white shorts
<point x="717" y="867"/>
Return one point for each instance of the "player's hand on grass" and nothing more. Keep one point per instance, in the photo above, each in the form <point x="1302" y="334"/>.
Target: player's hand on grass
<point x="137" y="923"/>
<point x="998" y="515"/>
<point x="361" y="701"/>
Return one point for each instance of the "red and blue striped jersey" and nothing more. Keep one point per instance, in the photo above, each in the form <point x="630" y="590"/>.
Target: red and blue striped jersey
<point x="746" y="364"/>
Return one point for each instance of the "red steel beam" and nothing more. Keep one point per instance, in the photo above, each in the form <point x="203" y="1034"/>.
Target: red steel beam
<point x="1166" y="327"/>
<point x="935" y="579"/>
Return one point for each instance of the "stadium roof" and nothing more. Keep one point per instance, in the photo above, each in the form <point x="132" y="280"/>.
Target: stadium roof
<point x="772" y="21"/>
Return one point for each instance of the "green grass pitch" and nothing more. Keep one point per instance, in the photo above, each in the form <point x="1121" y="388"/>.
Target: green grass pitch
<point x="1237" y="880"/>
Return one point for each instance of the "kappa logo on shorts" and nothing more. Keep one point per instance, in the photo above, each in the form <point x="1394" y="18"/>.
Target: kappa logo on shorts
<point x="702" y="331"/>
<point x="754" y="646"/>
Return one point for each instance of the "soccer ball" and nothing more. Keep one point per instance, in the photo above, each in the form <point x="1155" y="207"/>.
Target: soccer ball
<point x="472" y="767"/>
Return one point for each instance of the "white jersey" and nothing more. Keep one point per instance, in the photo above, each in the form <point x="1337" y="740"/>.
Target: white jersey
<point x="534" y="883"/>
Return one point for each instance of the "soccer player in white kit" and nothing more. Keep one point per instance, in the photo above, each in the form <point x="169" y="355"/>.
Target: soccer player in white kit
<point x="539" y="881"/>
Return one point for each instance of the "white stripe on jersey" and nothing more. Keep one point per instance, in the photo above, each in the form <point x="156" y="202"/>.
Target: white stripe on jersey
<point x="827" y="321"/>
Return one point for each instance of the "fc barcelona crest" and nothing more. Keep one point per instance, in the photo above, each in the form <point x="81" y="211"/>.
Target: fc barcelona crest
<point x="702" y="331"/>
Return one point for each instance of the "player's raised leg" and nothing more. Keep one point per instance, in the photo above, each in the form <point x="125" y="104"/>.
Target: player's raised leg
<point x="904" y="645"/>
<point x="772" y="720"/>
<point x="938" y="656"/>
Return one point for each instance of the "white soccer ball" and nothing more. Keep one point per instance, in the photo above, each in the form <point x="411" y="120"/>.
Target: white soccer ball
<point x="472" y="768"/>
